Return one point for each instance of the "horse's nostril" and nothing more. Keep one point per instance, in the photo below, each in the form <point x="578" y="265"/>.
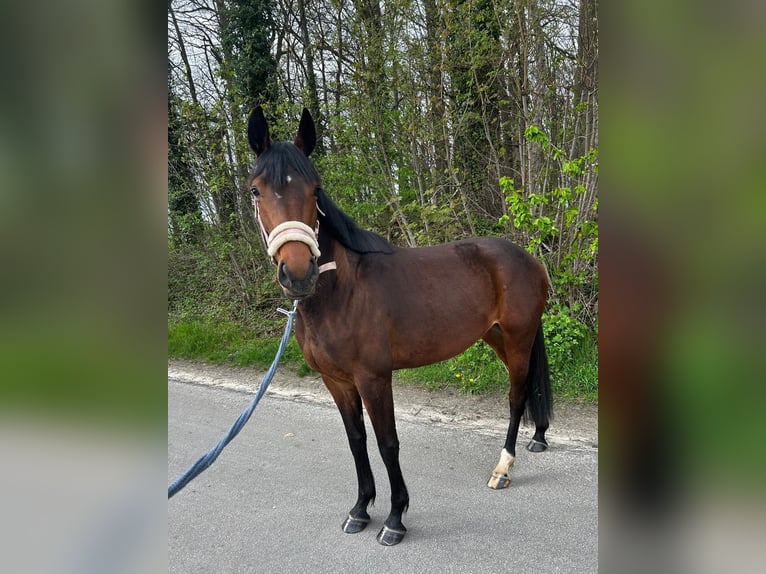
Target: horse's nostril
<point x="282" y="276"/>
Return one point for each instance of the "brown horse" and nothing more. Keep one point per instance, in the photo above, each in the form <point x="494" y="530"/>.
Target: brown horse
<point x="368" y="307"/>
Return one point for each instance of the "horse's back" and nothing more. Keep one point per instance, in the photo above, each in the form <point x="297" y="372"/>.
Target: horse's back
<point x="484" y="264"/>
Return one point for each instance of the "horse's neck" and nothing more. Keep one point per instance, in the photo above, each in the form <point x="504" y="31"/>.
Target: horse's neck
<point x="337" y="264"/>
<point x="332" y="290"/>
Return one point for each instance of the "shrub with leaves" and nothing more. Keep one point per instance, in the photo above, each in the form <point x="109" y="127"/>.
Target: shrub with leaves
<point x="563" y="335"/>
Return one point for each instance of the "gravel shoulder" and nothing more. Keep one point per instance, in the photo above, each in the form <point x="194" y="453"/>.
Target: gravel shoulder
<point x="574" y="424"/>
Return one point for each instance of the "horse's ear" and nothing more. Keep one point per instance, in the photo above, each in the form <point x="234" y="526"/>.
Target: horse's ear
<point x="258" y="132"/>
<point x="307" y="136"/>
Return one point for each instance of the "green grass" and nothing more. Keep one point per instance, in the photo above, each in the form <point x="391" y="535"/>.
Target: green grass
<point x="476" y="371"/>
<point x="224" y="342"/>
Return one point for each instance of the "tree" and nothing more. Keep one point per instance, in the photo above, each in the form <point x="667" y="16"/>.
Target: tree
<point x="473" y="53"/>
<point x="246" y="30"/>
<point x="185" y="216"/>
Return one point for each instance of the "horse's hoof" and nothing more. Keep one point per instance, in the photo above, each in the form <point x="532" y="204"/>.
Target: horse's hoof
<point x="389" y="537"/>
<point x="353" y="525"/>
<point x="536" y="446"/>
<point x="498" y="481"/>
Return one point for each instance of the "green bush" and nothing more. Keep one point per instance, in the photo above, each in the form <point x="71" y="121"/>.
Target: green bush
<point x="572" y="353"/>
<point x="577" y="378"/>
<point x="563" y="334"/>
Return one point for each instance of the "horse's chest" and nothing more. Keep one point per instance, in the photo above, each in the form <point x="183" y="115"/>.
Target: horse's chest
<point x="324" y="351"/>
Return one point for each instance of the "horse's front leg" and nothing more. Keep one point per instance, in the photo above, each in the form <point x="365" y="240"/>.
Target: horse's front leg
<point x="379" y="402"/>
<point x="350" y="406"/>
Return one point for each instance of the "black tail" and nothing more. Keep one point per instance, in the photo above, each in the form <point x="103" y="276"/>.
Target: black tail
<point x="539" y="404"/>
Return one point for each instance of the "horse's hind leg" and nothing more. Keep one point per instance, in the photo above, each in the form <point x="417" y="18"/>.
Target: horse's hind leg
<point x="517" y="361"/>
<point x="350" y="405"/>
<point x="538" y="385"/>
<point x="517" y="371"/>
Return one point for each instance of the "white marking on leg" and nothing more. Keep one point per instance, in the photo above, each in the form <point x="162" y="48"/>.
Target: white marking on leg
<point x="501" y="475"/>
<point x="505" y="463"/>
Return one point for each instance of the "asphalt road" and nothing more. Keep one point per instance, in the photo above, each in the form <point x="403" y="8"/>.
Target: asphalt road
<point x="275" y="499"/>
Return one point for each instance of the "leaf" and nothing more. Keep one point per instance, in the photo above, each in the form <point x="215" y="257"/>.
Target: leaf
<point x="535" y="134"/>
<point x="570" y="214"/>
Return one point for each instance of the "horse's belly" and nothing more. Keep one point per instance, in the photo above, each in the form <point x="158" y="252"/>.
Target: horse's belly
<point x="418" y="346"/>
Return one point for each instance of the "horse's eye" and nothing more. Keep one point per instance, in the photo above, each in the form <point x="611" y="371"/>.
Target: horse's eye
<point x="255" y="192"/>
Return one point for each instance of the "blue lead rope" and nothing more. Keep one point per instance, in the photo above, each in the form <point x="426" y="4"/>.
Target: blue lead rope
<point x="208" y="459"/>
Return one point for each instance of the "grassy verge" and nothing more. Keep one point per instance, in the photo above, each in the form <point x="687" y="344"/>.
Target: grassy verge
<point x="475" y="371"/>
<point x="224" y="342"/>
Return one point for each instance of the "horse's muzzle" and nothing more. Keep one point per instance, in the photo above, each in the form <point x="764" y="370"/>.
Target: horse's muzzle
<point x="298" y="288"/>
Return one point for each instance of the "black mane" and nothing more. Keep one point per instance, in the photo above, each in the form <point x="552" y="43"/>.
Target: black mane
<point x="280" y="159"/>
<point x="345" y="229"/>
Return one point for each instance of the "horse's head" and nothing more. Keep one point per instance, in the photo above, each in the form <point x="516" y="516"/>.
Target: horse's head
<point x="283" y="186"/>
